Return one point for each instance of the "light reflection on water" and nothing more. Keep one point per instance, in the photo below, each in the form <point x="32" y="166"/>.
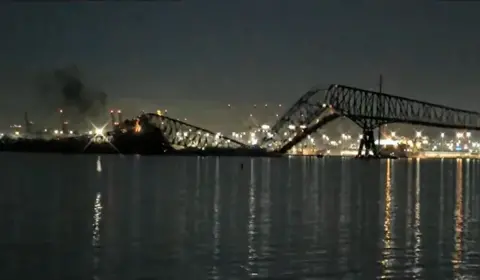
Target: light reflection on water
<point x="417" y="269"/>
<point x="252" y="254"/>
<point x="388" y="253"/>
<point x="457" y="255"/>
<point x="216" y="221"/>
<point x="97" y="217"/>
<point x="214" y="218"/>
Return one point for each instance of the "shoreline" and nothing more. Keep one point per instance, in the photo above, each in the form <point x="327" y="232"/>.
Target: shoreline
<point x="145" y="146"/>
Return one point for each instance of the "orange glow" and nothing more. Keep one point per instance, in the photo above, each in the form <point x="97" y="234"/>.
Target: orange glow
<point x="137" y="128"/>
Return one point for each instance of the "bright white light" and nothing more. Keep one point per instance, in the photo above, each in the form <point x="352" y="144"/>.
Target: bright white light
<point x="265" y="127"/>
<point x="99" y="131"/>
<point x="442" y="134"/>
<point x="469" y="134"/>
<point x="418" y="134"/>
<point x="99" y="164"/>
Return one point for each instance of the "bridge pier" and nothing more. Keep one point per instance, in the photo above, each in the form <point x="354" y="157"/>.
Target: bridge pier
<point x="368" y="142"/>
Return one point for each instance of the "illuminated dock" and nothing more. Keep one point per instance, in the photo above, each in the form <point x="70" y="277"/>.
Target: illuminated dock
<point x="423" y="154"/>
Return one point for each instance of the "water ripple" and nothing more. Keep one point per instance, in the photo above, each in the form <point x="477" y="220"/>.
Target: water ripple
<point x="206" y="218"/>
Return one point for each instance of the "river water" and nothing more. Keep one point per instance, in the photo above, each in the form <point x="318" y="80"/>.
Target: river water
<point x="83" y="217"/>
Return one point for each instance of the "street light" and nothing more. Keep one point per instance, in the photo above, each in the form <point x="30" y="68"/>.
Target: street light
<point x="442" y="135"/>
<point x="418" y="134"/>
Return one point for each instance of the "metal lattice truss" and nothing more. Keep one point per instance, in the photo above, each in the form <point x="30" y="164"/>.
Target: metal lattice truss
<point x="180" y="133"/>
<point x="299" y="119"/>
<point x="371" y="109"/>
<point x="368" y="109"/>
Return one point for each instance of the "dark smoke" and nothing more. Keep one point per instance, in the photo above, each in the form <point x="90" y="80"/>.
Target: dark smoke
<point x="66" y="88"/>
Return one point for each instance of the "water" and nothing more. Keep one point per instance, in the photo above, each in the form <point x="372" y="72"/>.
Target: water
<point x="80" y="217"/>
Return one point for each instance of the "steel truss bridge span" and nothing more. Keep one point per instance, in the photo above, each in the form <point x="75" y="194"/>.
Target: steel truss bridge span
<point x="368" y="109"/>
<point x="183" y="134"/>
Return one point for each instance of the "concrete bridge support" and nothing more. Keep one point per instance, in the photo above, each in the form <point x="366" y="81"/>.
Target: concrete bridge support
<point x="368" y="142"/>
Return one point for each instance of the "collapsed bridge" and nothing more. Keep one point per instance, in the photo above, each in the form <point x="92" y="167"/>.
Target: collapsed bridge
<point x="368" y="109"/>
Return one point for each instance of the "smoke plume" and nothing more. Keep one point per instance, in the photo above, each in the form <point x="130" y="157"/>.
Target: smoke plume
<point x="66" y="88"/>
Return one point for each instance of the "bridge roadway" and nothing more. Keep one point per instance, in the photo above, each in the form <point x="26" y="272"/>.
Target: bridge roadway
<point x="318" y="107"/>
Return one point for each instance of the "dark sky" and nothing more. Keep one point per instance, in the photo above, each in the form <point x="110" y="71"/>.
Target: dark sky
<point x="195" y="56"/>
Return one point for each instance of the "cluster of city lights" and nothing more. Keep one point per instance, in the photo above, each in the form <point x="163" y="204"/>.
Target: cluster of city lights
<point x="346" y="141"/>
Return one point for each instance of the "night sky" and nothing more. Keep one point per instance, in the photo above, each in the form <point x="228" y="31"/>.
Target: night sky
<point x="195" y="57"/>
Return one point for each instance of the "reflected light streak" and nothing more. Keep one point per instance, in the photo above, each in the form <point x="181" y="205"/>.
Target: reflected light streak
<point x="474" y="196"/>
<point x="252" y="254"/>
<point x="97" y="217"/>
<point x="417" y="232"/>
<point x="216" y="221"/>
<point x="99" y="164"/>
<point x="345" y="250"/>
<point x="457" y="256"/>
<point x="198" y="179"/>
<point x="475" y="199"/>
<point x="196" y="202"/>
<point x="468" y="240"/>
<point x="322" y="204"/>
<point x="467" y="197"/>
<point x="316" y="202"/>
<point x="265" y="212"/>
<point x="442" y="210"/>
<point x="305" y="183"/>
<point x="388" y="242"/>
<point x="345" y="192"/>
<point x="409" y="203"/>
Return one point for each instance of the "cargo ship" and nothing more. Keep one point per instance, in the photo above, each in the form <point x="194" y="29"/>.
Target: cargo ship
<point x="128" y="137"/>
